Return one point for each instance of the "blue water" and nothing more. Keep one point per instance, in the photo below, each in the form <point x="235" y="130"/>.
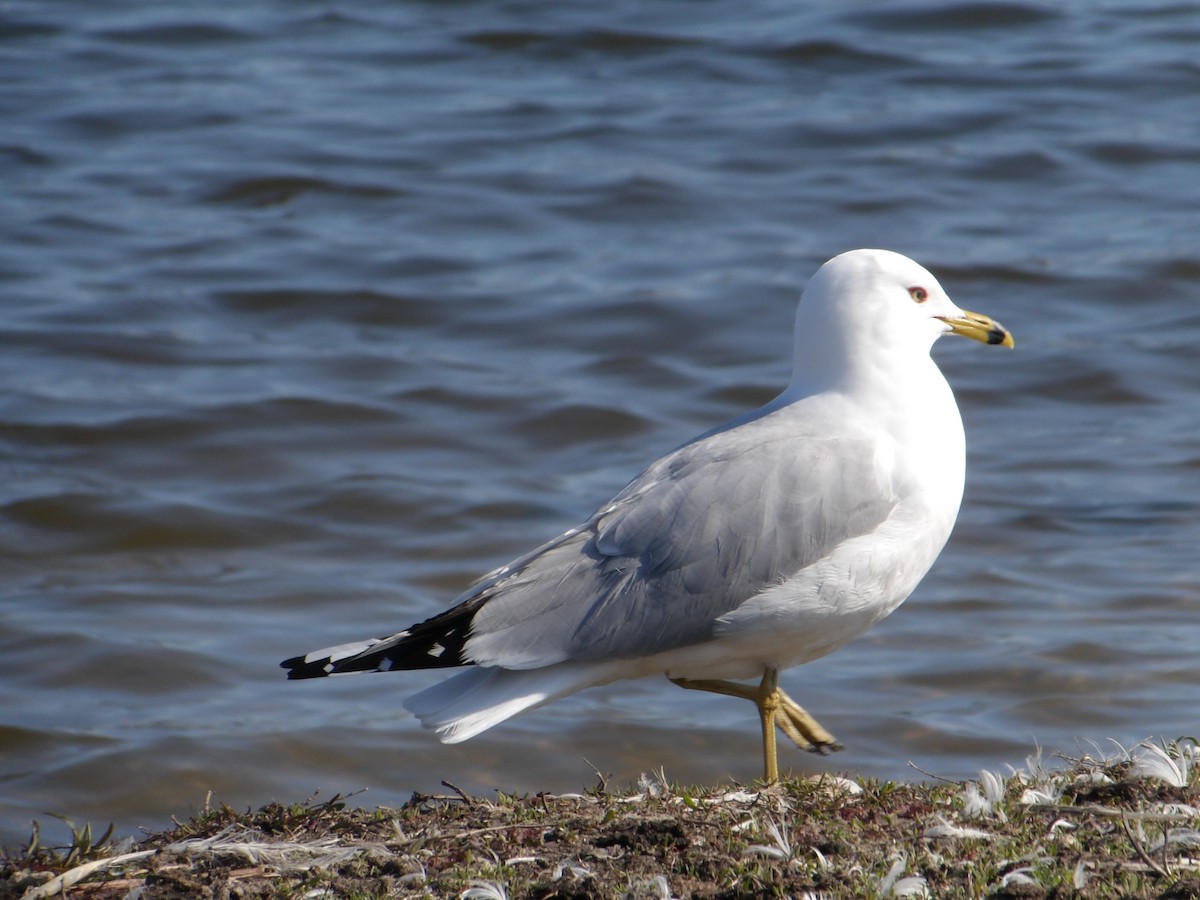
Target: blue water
<point x="312" y="313"/>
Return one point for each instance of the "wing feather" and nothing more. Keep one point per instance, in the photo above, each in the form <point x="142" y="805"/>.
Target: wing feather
<point x="697" y="534"/>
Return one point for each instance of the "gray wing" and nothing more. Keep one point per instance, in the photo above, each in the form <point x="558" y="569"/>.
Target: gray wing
<point x="693" y="537"/>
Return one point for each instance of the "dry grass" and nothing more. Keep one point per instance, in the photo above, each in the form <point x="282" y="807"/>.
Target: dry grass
<point x="1103" y="825"/>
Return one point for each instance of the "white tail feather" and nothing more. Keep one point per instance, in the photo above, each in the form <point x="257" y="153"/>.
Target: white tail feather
<point x="475" y="700"/>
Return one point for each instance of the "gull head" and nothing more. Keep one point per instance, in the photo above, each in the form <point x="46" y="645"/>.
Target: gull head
<point x="865" y="308"/>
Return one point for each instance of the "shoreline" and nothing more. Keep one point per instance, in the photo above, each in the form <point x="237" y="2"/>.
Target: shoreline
<point x="1093" y="827"/>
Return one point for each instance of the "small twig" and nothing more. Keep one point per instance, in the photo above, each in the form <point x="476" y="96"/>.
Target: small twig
<point x="601" y="781"/>
<point x="1108" y="812"/>
<point x="491" y="828"/>
<point x="1134" y="866"/>
<point x="913" y="765"/>
<point x="1141" y="851"/>
<point x="466" y="798"/>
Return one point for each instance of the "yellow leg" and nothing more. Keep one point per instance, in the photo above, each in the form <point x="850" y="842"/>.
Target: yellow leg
<point x="791" y="718"/>
<point x="768" y="707"/>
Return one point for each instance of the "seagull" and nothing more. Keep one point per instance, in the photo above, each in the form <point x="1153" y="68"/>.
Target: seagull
<point x="760" y="545"/>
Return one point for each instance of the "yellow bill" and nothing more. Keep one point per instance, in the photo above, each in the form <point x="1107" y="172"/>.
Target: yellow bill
<point x="980" y="328"/>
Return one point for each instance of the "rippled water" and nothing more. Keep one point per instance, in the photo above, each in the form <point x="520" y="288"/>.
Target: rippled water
<point x="314" y="312"/>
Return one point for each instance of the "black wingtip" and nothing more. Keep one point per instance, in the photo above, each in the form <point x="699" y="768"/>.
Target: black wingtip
<point x="436" y="643"/>
<point x="298" y="667"/>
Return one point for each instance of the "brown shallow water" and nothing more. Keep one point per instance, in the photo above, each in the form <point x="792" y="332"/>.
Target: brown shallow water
<point x="313" y="314"/>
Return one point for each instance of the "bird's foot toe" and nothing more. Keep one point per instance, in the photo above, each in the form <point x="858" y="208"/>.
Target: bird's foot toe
<point x="824" y="748"/>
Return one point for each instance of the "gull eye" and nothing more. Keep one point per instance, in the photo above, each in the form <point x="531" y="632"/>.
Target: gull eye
<point x="919" y="294"/>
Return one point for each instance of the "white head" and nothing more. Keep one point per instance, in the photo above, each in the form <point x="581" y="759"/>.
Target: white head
<point x="866" y="313"/>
